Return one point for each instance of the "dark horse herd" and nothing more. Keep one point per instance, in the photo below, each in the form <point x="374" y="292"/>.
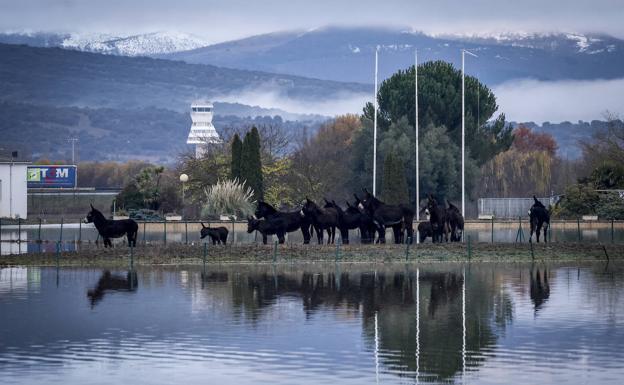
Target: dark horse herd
<point x="367" y="214"/>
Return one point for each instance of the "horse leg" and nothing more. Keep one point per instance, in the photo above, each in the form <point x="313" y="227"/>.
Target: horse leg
<point x="532" y="229"/>
<point x="108" y="243"/>
<point x="344" y="235"/>
<point x="537" y="232"/>
<point x="264" y="239"/>
<point x="281" y="238"/>
<point x="305" y="231"/>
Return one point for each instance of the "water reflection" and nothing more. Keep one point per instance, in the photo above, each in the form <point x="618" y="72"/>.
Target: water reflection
<point x="315" y="324"/>
<point x="540" y="289"/>
<point x="109" y="282"/>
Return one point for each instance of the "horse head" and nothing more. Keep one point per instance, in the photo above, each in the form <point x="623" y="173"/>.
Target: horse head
<point x="252" y="224"/>
<point x="93" y="215"/>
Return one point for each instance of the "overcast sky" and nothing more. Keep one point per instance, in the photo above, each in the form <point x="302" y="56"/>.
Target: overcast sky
<point x="230" y="19"/>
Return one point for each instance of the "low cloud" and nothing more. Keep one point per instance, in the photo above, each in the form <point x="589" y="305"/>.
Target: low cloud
<point x="271" y="97"/>
<point x="558" y="101"/>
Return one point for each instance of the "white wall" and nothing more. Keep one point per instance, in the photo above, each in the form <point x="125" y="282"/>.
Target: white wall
<point x="13" y="193"/>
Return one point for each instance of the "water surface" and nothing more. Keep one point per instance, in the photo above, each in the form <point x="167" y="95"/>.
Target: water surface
<point x="301" y="324"/>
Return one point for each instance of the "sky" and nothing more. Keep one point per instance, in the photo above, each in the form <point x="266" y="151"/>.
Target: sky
<point x="217" y="21"/>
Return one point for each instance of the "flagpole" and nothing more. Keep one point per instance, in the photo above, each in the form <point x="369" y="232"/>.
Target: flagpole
<point x="416" y="126"/>
<point x="463" y="134"/>
<point x="375" y="130"/>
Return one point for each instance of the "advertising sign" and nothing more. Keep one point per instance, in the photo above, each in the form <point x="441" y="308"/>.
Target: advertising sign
<point x="52" y="176"/>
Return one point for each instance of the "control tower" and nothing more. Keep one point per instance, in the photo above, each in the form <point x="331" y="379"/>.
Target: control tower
<point x="202" y="133"/>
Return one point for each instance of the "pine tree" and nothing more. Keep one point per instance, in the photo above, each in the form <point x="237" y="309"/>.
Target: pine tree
<point x="251" y="164"/>
<point x="237" y="153"/>
<point x="394" y="184"/>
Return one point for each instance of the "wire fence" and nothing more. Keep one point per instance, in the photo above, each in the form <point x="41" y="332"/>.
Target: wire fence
<point x="36" y="236"/>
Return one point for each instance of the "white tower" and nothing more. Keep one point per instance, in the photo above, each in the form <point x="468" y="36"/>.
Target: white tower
<point x="202" y="133"/>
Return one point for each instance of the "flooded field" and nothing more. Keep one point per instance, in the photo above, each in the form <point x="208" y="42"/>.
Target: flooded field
<point x="311" y="323"/>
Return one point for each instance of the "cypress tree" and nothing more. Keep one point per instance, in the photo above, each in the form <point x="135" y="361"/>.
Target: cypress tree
<point x="394" y="183"/>
<point x="251" y="164"/>
<point x="237" y="154"/>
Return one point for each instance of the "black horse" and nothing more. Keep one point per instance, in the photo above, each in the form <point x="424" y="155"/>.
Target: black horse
<point x="455" y="222"/>
<point x="399" y="217"/>
<point x="266" y="227"/>
<point x="322" y="219"/>
<point x="539" y="217"/>
<point x="218" y="235"/>
<point x="113" y="229"/>
<point x="367" y="225"/>
<point x="437" y="218"/>
<point x="424" y="231"/>
<point x="294" y="220"/>
<point x="109" y="282"/>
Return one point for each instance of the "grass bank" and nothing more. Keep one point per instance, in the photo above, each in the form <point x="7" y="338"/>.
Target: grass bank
<point x="256" y="253"/>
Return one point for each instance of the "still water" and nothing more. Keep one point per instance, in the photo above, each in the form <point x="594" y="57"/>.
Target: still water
<point x="301" y="324"/>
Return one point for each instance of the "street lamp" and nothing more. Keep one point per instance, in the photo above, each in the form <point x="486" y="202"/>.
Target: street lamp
<point x="464" y="134"/>
<point x="183" y="178"/>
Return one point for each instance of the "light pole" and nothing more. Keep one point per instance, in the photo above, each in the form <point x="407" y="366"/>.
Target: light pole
<point x="463" y="132"/>
<point x="183" y="178"/>
<point x="375" y="130"/>
<point x="73" y="142"/>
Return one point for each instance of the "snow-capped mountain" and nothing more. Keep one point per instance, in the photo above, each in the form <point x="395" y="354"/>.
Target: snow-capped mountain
<point x="136" y="45"/>
<point x="345" y="54"/>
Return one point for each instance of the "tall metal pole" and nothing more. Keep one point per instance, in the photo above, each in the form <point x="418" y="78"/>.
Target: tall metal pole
<point x="375" y="130"/>
<point x="416" y="134"/>
<point x="463" y="133"/>
<point x="73" y="142"/>
<point x="463" y="170"/>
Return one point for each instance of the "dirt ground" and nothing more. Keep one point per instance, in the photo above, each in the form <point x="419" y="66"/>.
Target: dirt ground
<point x="90" y="255"/>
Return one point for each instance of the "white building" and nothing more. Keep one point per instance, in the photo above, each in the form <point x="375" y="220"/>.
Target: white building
<point x="13" y="193"/>
<point x="202" y="133"/>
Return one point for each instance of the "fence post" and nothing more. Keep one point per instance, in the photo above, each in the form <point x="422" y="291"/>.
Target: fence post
<point x="19" y="235"/>
<point x="578" y="227"/>
<point x="520" y="233"/>
<point x="275" y="252"/>
<point x="165" y="231"/>
<point x="58" y="253"/>
<point x="61" y="236"/>
<point x="131" y="258"/>
<point x="204" y="255"/>
<point x="185" y="232"/>
<point x="612" y="235"/>
<point x="79" y="231"/>
<point x="144" y="226"/>
<point x="1" y="237"/>
<point x="39" y="232"/>
<point x="407" y="247"/>
<point x="469" y="247"/>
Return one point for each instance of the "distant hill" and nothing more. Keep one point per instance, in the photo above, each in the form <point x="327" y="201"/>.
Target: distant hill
<point x="59" y="77"/>
<point x="153" y="134"/>
<point x="346" y="54"/>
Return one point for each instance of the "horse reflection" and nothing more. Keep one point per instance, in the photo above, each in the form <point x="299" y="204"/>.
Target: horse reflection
<point x="540" y="288"/>
<point x="110" y="282"/>
<point x="444" y="287"/>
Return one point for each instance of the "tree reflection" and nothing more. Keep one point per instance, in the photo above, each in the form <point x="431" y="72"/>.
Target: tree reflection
<point x="392" y="295"/>
<point x="109" y="282"/>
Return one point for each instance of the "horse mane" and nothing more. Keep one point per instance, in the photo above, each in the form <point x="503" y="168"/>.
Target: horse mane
<point x="271" y="209"/>
<point x="97" y="213"/>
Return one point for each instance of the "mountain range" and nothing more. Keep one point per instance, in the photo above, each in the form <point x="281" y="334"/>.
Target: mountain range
<point x="346" y="54"/>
